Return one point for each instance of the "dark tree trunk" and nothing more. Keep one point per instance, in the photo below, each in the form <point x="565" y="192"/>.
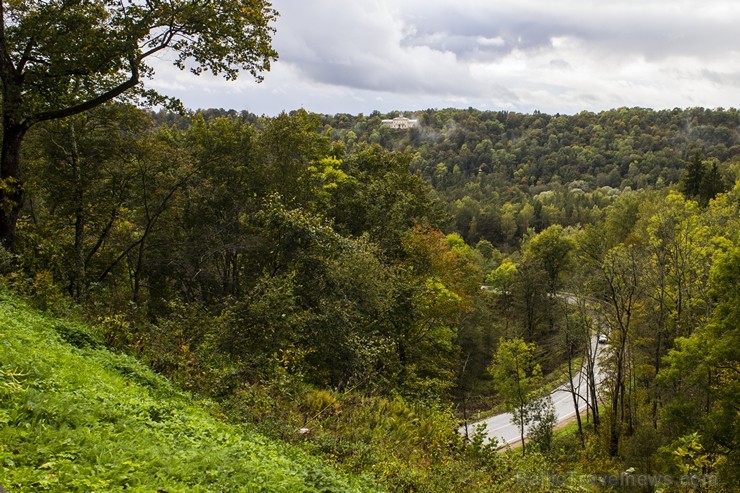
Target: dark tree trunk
<point x="618" y="398"/>
<point x="575" y="395"/>
<point x="594" y="398"/>
<point x="11" y="187"/>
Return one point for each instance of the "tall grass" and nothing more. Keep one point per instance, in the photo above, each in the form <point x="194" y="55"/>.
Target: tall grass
<point x="76" y="417"/>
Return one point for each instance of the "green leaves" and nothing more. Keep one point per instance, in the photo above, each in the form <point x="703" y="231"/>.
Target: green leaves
<point x="710" y="358"/>
<point x="502" y="278"/>
<point x="59" y="59"/>
<point x="517" y="378"/>
<point x="550" y="249"/>
<point x="71" y="54"/>
<point x="514" y="369"/>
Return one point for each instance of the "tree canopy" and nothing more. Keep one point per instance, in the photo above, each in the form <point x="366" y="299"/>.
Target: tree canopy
<point x="61" y="58"/>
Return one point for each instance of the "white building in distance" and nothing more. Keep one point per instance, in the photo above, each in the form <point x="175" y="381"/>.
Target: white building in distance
<point x="400" y="122"/>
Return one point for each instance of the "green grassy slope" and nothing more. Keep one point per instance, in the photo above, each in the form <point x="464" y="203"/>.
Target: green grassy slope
<point x="76" y="417"/>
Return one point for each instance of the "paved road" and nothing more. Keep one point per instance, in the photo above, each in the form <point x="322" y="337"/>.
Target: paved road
<point x="501" y="426"/>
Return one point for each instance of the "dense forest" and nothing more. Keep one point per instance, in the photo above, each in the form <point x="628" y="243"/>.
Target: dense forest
<point x="323" y="273"/>
<point x="505" y="172"/>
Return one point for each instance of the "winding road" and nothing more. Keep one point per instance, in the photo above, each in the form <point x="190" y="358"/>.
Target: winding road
<point x="506" y="432"/>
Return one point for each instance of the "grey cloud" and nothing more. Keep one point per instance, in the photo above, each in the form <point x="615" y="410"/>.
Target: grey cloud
<point x="460" y="33"/>
<point x="372" y="53"/>
<point x="560" y="64"/>
<point x="490" y="53"/>
<point x="722" y="78"/>
<point x="633" y="30"/>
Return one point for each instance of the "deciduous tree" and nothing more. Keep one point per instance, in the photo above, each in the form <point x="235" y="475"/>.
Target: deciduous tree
<point x="61" y="58"/>
<point x="517" y="378"/>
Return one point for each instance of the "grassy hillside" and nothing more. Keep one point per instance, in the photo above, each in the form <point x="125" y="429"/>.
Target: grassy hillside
<point x="76" y="417"/>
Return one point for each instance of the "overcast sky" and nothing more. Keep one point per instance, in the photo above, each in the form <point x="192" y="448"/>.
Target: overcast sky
<point x="556" y="56"/>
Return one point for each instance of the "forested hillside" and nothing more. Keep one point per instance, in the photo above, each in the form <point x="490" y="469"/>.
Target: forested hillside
<point x="503" y="172"/>
<point x="323" y="274"/>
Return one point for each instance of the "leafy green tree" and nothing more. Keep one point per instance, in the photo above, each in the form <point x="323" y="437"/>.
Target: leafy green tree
<point x="288" y="146"/>
<point x="502" y="280"/>
<point x="502" y="277"/>
<point x="620" y="268"/>
<point x="706" y="365"/>
<point x="551" y="249"/>
<point x="545" y="255"/>
<point x="163" y="173"/>
<point x="675" y="277"/>
<point x="87" y="191"/>
<point x="530" y="296"/>
<point x="437" y="287"/>
<point x="322" y="298"/>
<point x="543" y="418"/>
<point x="517" y="378"/>
<point x="702" y="180"/>
<point x="215" y="234"/>
<point x="59" y="59"/>
<point x="79" y="179"/>
<point x="383" y="199"/>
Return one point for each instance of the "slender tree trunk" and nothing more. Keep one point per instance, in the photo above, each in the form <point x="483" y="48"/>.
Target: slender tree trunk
<point x="521" y="429"/>
<point x="139" y="270"/>
<point x="594" y="401"/>
<point x="617" y="400"/>
<point x="522" y="403"/>
<point x="658" y="355"/>
<point x="614" y="428"/>
<point x="590" y="355"/>
<point x="575" y="394"/>
<point x="79" y="272"/>
<point x="622" y="282"/>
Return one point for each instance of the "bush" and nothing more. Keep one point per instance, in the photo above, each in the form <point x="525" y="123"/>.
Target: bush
<point x="77" y="336"/>
<point x="543" y="424"/>
<point x="8" y="261"/>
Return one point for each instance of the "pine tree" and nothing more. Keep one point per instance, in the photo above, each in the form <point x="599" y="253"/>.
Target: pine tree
<point x="711" y="184"/>
<point x="691" y="181"/>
